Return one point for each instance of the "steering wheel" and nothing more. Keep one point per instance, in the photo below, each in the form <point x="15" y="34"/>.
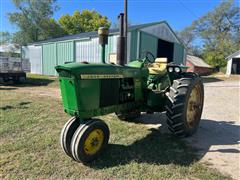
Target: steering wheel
<point x="149" y="57"/>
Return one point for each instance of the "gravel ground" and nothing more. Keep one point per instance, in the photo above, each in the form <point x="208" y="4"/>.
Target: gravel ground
<point x="218" y="137"/>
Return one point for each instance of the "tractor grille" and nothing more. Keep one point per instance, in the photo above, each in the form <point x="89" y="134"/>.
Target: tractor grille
<point x="109" y="93"/>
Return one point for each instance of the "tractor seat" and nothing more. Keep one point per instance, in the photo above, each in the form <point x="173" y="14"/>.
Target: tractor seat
<point x="158" y="67"/>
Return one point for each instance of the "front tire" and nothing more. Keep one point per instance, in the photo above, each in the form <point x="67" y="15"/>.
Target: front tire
<point x="89" y="140"/>
<point x="67" y="133"/>
<point x="185" y="104"/>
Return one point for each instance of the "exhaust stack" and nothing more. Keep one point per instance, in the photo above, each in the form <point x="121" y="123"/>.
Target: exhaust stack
<point x="125" y="28"/>
<point x="103" y="41"/>
<point x="122" y="39"/>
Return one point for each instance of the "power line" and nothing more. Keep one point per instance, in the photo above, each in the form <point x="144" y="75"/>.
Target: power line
<point x="189" y="10"/>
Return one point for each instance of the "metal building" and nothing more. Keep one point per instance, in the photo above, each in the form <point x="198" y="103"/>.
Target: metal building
<point x="198" y="65"/>
<point x="233" y="63"/>
<point x="157" y="38"/>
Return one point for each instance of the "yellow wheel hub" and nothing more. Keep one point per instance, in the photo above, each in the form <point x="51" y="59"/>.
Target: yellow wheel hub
<point x="93" y="142"/>
<point x="194" y="105"/>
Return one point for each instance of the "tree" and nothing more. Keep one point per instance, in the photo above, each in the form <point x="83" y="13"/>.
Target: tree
<point x="85" y="21"/>
<point x="34" y="20"/>
<point x="218" y="32"/>
<point x="187" y="37"/>
<point x="51" y="29"/>
<point x="5" y="37"/>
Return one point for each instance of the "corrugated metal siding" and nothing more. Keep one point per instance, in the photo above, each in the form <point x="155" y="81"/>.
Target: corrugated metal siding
<point x="148" y="43"/>
<point x="49" y="59"/>
<point x="184" y="56"/>
<point x="133" y="46"/>
<point x="88" y="50"/>
<point x="78" y="50"/>
<point x="25" y="52"/>
<point x="111" y="47"/>
<point x="65" y="52"/>
<point x="35" y="57"/>
<point x="178" y="56"/>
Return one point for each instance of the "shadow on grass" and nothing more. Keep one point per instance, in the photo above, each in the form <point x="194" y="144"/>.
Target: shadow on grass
<point x="21" y="105"/>
<point x="38" y="81"/>
<point x="158" y="148"/>
<point x="7" y="88"/>
<point x="30" y="82"/>
<point x="155" y="148"/>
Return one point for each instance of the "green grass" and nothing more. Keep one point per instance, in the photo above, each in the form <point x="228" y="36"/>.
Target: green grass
<point x="41" y="80"/>
<point x="29" y="139"/>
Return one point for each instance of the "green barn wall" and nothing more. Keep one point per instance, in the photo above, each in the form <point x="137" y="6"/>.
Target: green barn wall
<point x="178" y="53"/>
<point x="65" y="52"/>
<point x="111" y="47"/>
<point x="55" y="54"/>
<point x="60" y="52"/>
<point x="49" y="56"/>
<point x="148" y="43"/>
<point x="133" y="46"/>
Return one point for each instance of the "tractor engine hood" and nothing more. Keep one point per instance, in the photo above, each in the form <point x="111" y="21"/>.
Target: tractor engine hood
<point x="89" y="89"/>
<point x="98" y="71"/>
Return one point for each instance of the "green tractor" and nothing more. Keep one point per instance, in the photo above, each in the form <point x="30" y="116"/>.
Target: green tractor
<point x="144" y="85"/>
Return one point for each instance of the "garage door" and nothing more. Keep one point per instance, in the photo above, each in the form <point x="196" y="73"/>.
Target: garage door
<point x="236" y="66"/>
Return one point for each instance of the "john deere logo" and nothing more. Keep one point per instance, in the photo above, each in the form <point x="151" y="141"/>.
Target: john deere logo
<point x="101" y="76"/>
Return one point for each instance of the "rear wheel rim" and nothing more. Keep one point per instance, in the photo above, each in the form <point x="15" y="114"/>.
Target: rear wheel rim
<point x="194" y="106"/>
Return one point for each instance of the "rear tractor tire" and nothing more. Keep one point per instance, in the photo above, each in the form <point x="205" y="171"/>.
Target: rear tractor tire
<point x="185" y="104"/>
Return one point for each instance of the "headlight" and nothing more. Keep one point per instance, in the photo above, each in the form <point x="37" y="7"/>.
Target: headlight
<point x="177" y="69"/>
<point x="170" y="69"/>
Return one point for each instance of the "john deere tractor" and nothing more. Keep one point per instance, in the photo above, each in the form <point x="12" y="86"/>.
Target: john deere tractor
<point x="144" y="85"/>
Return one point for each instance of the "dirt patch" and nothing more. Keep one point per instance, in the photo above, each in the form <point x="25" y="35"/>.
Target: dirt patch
<point x="38" y="90"/>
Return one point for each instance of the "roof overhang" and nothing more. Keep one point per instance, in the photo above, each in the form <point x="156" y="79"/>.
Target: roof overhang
<point x="165" y="31"/>
<point x="237" y="53"/>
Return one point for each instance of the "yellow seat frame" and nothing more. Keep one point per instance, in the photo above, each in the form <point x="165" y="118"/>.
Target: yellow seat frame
<point x="158" y="67"/>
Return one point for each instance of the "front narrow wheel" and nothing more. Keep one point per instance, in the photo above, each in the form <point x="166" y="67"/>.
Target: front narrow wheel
<point x="184" y="105"/>
<point x="89" y="140"/>
<point x="67" y="133"/>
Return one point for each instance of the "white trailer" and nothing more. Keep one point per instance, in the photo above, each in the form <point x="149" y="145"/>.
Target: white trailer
<point x="13" y="69"/>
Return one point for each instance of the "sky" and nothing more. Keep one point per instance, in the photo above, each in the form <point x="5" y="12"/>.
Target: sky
<point x="178" y="13"/>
